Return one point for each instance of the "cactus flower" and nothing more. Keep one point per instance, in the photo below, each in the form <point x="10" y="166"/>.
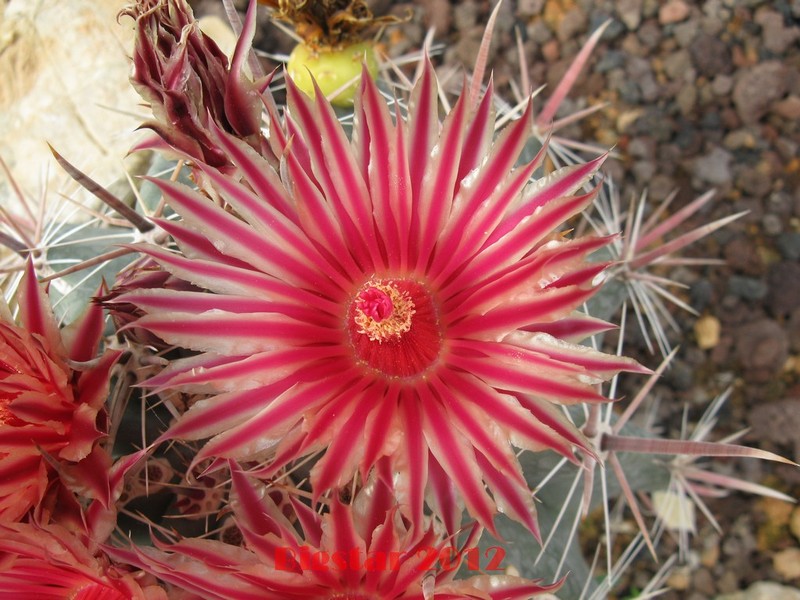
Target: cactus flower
<point x="52" y="395"/>
<point x="402" y="295"/>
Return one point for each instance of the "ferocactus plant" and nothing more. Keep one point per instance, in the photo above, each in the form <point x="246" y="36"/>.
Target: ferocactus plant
<point x="345" y="352"/>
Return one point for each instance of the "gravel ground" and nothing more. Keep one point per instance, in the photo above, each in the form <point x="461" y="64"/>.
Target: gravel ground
<point x="700" y="95"/>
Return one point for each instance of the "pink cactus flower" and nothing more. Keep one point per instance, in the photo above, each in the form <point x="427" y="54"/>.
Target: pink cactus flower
<point x="358" y="551"/>
<point x="50" y="563"/>
<point x="52" y="394"/>
<point x="401" y="293"/>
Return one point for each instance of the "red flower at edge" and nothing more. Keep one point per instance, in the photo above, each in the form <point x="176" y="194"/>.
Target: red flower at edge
<point x="52" y="393"/>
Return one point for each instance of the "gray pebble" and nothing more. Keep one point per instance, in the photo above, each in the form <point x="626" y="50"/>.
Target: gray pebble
<point x="529" y="8"/>
<point x="571" y="24"/>
<point x="764" y="590"/>
<point x="714" y="167"/>
<point x="775" y="36"/>
<point x="789" y="245"/>
<point x="701" y="294"/>
<point x="685" y="32"/>
<point x="650" y="35"/>
<point x="772" y="224"/>
<point x="677" y="65"/>
<point x="538" y="32"/>
<point x="747" y="288"/>
<point x="465" y="15"/>
<point x="613" y="59"/>
<point x="680" y="375"/>
<point x="630" y="12"/>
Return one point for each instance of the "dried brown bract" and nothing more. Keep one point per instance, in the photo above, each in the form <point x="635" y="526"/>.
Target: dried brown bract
<point x="331" y="23"/>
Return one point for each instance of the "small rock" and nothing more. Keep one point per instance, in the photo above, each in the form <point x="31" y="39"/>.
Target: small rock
<point x="722" y="85"/>
<point x="612" y="59"/>
<point x="680" y="375"/>
<point x="643" y="171"/>
<point x="764" y="590"/>
<point x="674" y="11"/>
<point x="661" y="186"/>
<point x="539" y="32"/>
<point x="777" y="422"/>
<point x="747" y="288"/>
<point x="762" y="347"/>
<point x="780" y="203"/>
<point x="710" y="55"/>
<point x="677" y="64"/>
<point x="467" y="15"/>
<point x="680" y="578"/>
<point x="787" y="563"/>
<point x="775" y="36"/>
<point x="551" y="51"/>
<point x="741" y="253"/>
<point x="629" y="92"/>
<point x="686" y="99"/>
<point x="789" y="245"/>
<point x="793" y="327"/>
<point x="714" y="167"/>
<point x="630" y="13"/>
<point x="706" y="330"/>
<point x="704" y="582"/>
<point x="650" y="35"/>
<point x="788" y="151"/>
<point x="754" y="181"/>
<point x="788" y="108"/>
<point x="740" y="138"/>
<point x="778" y="512"/>
<point x="710" y="555"/>
<point x="701" y="294"/>
<point x="728" y="582"/>
<point x="784" y="287"/>
<point x="642" y="147"/>
<point x="758" y="88"/>
<point x="529" y="8"/>
<point x="711" y="121"/>
<point x="438" y="15"/>
<point x="772" y="224"/>
<point x="571" y="24"/>
<point x="685" y="32"/>
<point x="675" y="510"/>
<point x="794" y="522"/>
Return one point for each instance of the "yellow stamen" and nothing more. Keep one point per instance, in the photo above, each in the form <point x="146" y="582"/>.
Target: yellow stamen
<point x="383" y="312"/>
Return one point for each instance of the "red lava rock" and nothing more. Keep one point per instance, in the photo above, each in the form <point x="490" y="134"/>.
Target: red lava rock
<point x="777" y="422"/>
<point x="673" y="11"/>
<point x="762" y="348"/>
<point x="784" y="288"/>
<point x="794" y="329"/>
<point x="742" y="255"/>
<point x="710" y="55"/>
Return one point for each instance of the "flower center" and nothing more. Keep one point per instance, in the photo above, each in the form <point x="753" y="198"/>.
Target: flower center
<point x="394" y="327"/>
<point x="383" y="312"/>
